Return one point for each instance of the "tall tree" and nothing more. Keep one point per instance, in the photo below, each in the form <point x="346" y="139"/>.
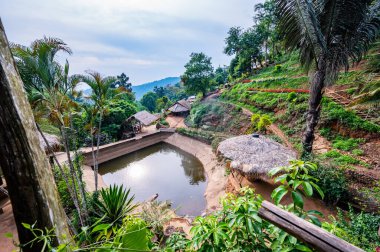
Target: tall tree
<point x="102" y="91"/>
<point x="149" y="101"/>
<point x="30" y="181"/>
<point x="329" y="34"/>
<point x="199" y="73"/>
<point x="122" y="80"/>
<point x="52" y="94"/>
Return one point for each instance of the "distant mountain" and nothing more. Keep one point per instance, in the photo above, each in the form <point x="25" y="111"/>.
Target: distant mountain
<point x="140" y="90"/>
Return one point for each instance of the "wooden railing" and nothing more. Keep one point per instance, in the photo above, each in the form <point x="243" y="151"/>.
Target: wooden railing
<point x="316" y="237"/>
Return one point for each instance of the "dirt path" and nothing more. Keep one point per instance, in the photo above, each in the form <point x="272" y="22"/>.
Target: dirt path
<point x="7" y="225"/>
<point x="176" y="121"/>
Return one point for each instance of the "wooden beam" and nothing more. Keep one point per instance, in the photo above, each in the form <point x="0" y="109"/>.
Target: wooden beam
<point x="316" y="237"/>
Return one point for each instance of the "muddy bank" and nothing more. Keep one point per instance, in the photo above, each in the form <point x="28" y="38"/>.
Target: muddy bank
<point x="236" y="181"/>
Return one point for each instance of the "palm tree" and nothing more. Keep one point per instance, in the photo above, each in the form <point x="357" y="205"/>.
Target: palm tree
<point x="102" y="91"/>
<point x="48" y="86"/>
<point x="328" y="34"/>
<point x="369" y="97"/>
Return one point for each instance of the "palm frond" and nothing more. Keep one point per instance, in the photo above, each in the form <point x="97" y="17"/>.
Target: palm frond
<point x="300" y="25"/>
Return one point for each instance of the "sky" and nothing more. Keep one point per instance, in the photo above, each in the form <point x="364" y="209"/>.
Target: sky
<point x="146" y="39"/>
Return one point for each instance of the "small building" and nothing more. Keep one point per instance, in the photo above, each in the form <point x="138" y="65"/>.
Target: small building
<point x="134" y="124"/>
<point x="191" y="99"/>
<point x="180" y="108"/>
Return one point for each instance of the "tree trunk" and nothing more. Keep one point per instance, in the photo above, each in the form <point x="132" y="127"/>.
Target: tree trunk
<point x="72" y="173"/>
<point x="78" y="174"/>
<point x="97" y="151"/>
<point x="316" y="94"/>
<point x="30" y="181"/>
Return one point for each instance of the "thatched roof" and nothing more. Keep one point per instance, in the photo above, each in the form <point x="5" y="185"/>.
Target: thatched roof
<point x="180" y="106"/>
<point x="255" y="156"/>
<point x="145" y="118"/>
<point x="53" y="141"/>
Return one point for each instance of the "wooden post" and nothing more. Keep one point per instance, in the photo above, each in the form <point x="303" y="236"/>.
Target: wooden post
<point x="316" y="237"/>
<point x="27" y="172"/>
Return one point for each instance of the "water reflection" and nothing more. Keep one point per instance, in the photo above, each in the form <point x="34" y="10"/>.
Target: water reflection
<point x="164" y="169"/>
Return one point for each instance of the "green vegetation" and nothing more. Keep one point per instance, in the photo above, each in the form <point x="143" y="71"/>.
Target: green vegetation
<point x="260" y="123"/>
<point x="198" y="77"/>
<point x="264" y="79"/>
<point x="359" y="228"/>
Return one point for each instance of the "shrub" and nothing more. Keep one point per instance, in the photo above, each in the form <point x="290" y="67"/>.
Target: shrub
<point x="291" y="97"/>
<point x="346" y="144"/>
<point x="325" y="132"/>
<point x="156" y="214"/>
<point x="358" y="152"/>
<point x="333" y="154"/>
<point x="332" y="182"/>
<point x="260" y="122"/>
<point x="177" y="241"/>
<point x="277" y="68"/>
<point x="333" y="112"/>
<point x="114" y="205"/>
<point x="360" y="229"/>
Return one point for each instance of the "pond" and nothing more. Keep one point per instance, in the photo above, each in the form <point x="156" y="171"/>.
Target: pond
<point x="164" y="169"/>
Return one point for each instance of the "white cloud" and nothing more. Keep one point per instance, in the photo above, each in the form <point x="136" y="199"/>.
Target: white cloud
<point x="147" y="39"/>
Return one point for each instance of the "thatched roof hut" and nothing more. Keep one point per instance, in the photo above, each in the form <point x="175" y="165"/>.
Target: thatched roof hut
<point x="179" y="107"/>
<point x="53" y="141"/>
<point x="254" y="157"/>
<point x="145" y="118"/>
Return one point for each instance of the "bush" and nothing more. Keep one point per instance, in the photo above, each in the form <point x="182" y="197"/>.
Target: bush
<point x="260" y="122"/>
<point x="358" y="152"/>
<point x="333" y="183"/>
<point x="277" y="68"/>
<point x="346" y="144"/>
<point x="360" y="229"/>
<point x="333" y="112"/>
<point x="114" y="205"/>
<point x="291" y="97"/>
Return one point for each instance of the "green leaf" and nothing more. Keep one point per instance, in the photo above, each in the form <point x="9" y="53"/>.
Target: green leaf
<point x="281" y="178"/>
<point x="297" y="199"/>
<point x="307" y="188"/>
<point x="274" y="171"/>
<point x="8" y="235"/>
<point x="100" y="227"/>
<point x="303" y="248"/>
<point x="278" y="194"/>
<point x="315" y="220"/>
<point x="319" y="190"/>
<point x="315" y="212"/>
<point x="26" y="225"/>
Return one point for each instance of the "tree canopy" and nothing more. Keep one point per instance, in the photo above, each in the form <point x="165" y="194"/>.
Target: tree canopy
<point x="198" y="75"/>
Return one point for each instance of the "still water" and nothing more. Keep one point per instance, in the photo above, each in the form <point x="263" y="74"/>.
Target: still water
<point x="164" y="169"/>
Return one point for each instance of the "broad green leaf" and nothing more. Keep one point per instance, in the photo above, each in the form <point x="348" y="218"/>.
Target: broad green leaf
<point x="100" y="227"/>
<point x="274" y="171"/>
<point x="315" y="212"/>
<point x="297" y="199"/>
<point x="315" y="220"/>
<point x="278" y="194"/>
<point x="303" y="248"/>
<point x="307" y="188"/>
<point x="319" y="190"/>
